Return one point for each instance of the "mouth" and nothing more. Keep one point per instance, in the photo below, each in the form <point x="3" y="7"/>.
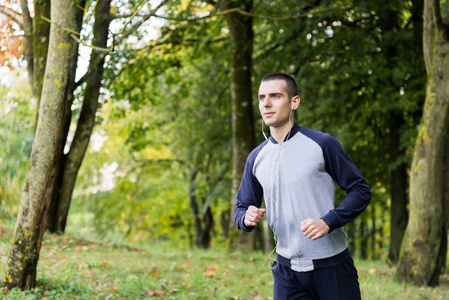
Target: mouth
<point x="268" y="114"/>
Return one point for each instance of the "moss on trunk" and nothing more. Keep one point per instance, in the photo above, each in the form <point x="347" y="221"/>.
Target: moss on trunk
<point x="419" y="262"/>
<point x="23" y="255"/>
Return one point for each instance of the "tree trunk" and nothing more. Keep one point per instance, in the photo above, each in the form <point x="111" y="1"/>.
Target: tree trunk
<point x="27" y="25"/>
<point x="442" y="255"/>
<point x="23" y="255"/>
<point x="363" y="237"/>
<point x="36" y="40"/>
<point x="419" y="261"/>
<point x="381" y="231"/>
<point x="350" y="229"/>
<point x="86" y="120"/>
<point x="241" y="33"/>
<point x="40" y="46"/>
<point x="398" y="190"/>
<point x="205" y="239"/>
<point x="66" y="121"/>
<point x="70" y="164"/>
<point x="194" y="207"/>
<point x="373" y="232"/>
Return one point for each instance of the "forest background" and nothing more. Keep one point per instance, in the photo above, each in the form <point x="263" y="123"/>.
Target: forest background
<point x="157" y="110"/>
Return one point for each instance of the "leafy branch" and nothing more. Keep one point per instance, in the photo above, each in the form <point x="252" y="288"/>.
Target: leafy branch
<point x="240" y="11"/>
<point x="123" y="36"/>
<point x="10" y="14"/>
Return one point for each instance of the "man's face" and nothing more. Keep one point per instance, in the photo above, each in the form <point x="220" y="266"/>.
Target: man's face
<point x="274" y="103"/>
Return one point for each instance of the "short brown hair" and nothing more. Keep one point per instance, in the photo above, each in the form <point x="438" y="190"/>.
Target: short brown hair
<point x="292" y="87"/>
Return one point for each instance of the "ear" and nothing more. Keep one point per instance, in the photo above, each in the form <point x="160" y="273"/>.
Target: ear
<point x="295" y="102"/>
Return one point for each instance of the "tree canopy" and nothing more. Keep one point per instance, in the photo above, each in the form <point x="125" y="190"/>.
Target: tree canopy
<point x="155" y="129"/>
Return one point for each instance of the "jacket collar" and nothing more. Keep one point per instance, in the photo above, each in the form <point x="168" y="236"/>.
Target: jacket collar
<point x="295" y="129"/>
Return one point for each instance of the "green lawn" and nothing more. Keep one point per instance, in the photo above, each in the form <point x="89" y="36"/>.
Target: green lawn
<point x="78" y="269"/>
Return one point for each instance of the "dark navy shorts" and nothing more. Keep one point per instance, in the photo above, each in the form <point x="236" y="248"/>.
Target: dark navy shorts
<point x="337" y="282"/>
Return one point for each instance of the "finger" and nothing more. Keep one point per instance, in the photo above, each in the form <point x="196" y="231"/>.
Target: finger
<point x="305" y="224"/>
<point x="258" y="210"/>
<point x="250" y="221"/>
<point x="253" y="218"/>
<point x="252" y="208"/>
<point x="309" y="233"/>
<point x="316" y="236"/>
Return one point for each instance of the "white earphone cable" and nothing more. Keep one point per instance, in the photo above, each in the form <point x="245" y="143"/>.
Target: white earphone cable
<point x="263" y="131"/>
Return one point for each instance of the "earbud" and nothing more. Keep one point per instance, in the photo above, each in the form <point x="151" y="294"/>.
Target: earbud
<point x="293" y="105"/>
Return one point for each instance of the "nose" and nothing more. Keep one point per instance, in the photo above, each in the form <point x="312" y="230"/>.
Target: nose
<point x="266" y="102"/>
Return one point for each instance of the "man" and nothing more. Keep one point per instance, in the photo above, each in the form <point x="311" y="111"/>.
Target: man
<point x="295" y="172"/>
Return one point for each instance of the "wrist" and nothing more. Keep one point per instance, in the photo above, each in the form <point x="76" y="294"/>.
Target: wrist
<point x="325" y="222"/>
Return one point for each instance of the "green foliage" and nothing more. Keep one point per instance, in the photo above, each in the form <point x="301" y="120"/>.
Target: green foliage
<point x="357" y="64"/>
<point x="168" y="129"/>
<point x="17" y="117"/>
<point x="164" y="129"/>
<point x="74" y="268"/>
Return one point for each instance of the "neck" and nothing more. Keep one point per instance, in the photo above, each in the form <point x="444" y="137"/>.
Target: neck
<point x="279" y="133"/>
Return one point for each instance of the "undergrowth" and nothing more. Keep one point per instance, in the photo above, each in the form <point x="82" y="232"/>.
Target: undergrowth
<point x="73" y="268"/>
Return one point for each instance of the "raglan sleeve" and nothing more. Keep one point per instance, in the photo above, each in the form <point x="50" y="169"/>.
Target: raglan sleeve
<point x="249" y="193"/>
<point x="344" y="172"/>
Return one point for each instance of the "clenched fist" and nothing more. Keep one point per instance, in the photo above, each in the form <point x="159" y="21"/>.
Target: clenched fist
<point x="253" y="215"/>
<point x="314" y="228"/>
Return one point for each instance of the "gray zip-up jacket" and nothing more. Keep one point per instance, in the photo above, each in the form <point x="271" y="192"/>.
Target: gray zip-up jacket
<point x="297" y="180"/>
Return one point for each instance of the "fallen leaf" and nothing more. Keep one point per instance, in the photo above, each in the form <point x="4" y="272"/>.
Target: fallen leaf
<point x="211" y="271"/>
<point x="155" y="274"/>
<point x="187" y="264"/>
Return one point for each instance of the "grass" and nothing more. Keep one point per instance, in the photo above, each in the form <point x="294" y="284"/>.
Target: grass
<point x="72" y="268"/>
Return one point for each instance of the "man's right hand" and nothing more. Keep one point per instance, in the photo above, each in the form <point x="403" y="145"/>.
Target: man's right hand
<point x="253" y="215"/>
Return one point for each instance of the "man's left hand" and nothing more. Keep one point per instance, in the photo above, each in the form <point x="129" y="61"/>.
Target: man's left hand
<point x="314" y="228"/>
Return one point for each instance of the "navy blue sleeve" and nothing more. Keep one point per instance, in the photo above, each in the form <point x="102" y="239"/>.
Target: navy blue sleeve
<point x="344" y="172"/>
<point x="250" y="193"/>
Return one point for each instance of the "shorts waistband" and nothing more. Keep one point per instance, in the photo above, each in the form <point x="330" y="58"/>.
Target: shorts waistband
<point x="318" y="263"/>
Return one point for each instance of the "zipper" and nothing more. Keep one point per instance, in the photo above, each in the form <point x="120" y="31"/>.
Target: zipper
<point x="287" y="201"/>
